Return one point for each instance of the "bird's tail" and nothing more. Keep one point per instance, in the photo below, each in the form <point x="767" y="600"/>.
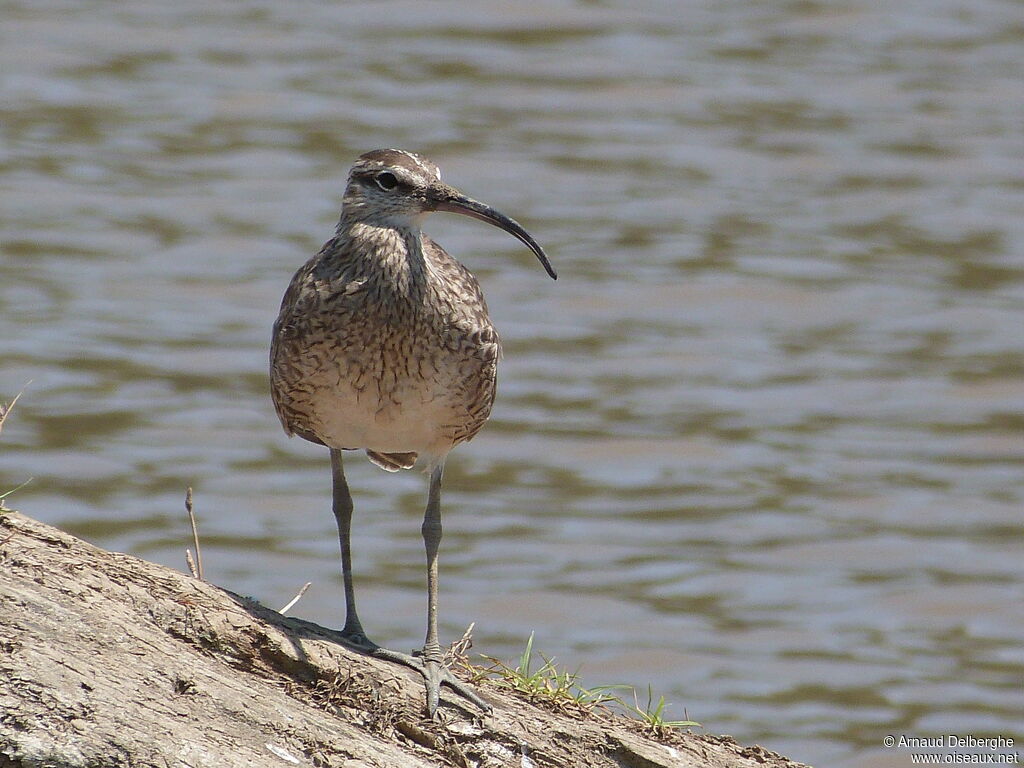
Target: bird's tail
<point x="392" y="462"/>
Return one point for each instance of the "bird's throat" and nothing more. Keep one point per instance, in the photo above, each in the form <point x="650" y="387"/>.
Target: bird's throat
<point x="390" y="257"/>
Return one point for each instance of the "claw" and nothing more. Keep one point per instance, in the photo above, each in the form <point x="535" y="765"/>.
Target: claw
<point x="435" y="674"/>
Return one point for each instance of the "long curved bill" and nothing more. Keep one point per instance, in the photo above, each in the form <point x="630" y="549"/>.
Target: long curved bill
<point x="445" y="198"/>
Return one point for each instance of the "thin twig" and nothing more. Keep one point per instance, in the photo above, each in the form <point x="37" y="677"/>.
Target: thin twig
<point x="295" y="599"/>
<point x="198" y="569"/>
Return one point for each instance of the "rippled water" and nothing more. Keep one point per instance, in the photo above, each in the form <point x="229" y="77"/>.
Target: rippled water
<point x="761" y="444"/>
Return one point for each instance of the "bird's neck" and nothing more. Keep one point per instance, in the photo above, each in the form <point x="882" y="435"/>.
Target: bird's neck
<point x="389" y="254"/>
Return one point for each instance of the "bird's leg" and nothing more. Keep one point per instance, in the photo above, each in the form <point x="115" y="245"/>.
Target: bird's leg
<point x="342" y="505"/>
<point x="431" y="530"/>
<point x="429" y="663"/>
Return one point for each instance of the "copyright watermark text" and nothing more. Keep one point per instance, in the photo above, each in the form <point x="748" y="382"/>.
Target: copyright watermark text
<point x="954" y="749"/>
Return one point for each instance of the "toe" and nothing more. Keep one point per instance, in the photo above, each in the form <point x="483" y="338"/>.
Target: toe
<point x="432" y="675"/>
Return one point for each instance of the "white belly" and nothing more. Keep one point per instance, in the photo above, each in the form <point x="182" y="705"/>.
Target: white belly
<point x="414" y="418"/>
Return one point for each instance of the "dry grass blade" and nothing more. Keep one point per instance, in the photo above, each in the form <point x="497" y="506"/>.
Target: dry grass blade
<point x="197" y="567"/>
<point x="458" y="652"/>
<point x="191" y="563"/>
<point x="294" y="600"/>
<point x="6" y="408"/>
<point x="5" y="411"/>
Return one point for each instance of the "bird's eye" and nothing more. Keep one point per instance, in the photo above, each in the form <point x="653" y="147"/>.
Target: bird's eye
<point x="386" y="180"/>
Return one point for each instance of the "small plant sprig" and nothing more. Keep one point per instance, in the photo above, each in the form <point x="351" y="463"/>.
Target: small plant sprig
<point x="5" y="494"/>
<point x="653" y="715"/>
<point x="546" y="683"/>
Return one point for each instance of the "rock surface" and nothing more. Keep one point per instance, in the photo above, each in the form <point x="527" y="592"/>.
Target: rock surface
<point x="108" y="660"/>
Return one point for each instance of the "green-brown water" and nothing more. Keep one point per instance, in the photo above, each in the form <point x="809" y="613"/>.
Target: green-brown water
<point x="762" y="444"/>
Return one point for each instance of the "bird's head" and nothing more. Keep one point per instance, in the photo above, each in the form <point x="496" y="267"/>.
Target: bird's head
<point x="395" y="188"/>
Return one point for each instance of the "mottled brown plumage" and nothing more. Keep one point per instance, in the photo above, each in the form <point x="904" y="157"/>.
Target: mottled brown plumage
<point x="383" y="343"/>
<point x="393" y="354"/>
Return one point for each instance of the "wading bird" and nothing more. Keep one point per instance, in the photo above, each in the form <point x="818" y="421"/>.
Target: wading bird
<point x="383" y="343"/>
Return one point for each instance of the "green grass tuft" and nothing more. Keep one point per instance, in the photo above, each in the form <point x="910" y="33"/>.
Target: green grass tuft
<point x="653" y="715"/>
<point x="543" y="683"/>
<point x="547" y="684"/>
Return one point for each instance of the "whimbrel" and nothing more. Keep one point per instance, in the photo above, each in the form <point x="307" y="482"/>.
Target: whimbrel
<point x="383" y="343"/>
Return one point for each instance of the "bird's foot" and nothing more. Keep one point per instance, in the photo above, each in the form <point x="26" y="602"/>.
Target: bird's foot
<point x="434" y="675"/>
<point x="427" y="662"/>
